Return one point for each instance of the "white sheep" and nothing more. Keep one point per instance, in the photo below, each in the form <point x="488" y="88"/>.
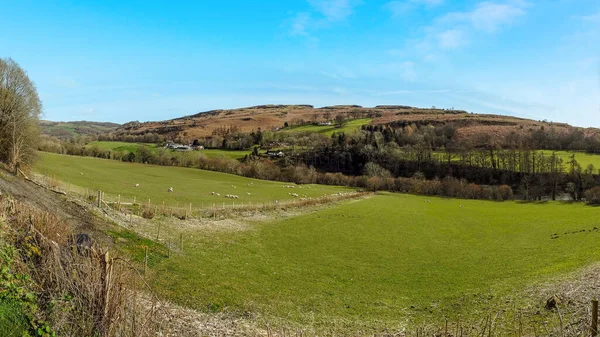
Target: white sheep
<point x="170" y="189"/>
<point x="218" y="194"/>
<point x="461" y="206"/>
<point x="248" y="193"/>
<point x="137" y="185"/>
<point x="212" y="193"/>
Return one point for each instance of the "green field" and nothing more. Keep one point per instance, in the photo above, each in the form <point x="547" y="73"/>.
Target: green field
<point x="584" y="159"/>
<point x="120" y="146"/>
<point x="189" y="185"/>
<point x="382" y="260"/>
<point x="348" y="127"/>
<point x="133" y="147"/>
<point x="376" y="262"/>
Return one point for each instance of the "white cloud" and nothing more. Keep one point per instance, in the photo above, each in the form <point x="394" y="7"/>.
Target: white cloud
<point x="451" y="39"/>
<point x="488" y="16"/>
<point x="593" y="18"/>
<point x="323" y="14"/>
<point x="334" y="10"/>
<point x="299" y="24"/>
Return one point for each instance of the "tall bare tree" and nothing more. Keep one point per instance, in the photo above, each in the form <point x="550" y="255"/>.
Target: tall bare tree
<point x="20" y="110"/>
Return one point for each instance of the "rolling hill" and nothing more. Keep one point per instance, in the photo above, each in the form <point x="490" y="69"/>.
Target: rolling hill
<point x="274" y="117"/>
<point x="65" y="130"/>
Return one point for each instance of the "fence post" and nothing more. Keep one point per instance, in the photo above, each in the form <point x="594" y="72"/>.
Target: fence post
<point x="99" y="199"/>
<point x="594" y="317"/>
<point x="145" y="260"/>
<point x="158" y="231"/>
<point x="105" y="277"/>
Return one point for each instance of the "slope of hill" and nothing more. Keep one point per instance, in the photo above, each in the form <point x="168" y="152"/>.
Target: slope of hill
<point x="273" y="117"/>
<point x="80" y="128"/>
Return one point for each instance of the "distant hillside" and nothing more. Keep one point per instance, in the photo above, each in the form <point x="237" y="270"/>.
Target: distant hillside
<point x="81" y="128"/>
<point x="273" y="117"/>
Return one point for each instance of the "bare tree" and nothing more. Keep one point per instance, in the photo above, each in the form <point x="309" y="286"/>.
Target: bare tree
<point x="20" y="109"/>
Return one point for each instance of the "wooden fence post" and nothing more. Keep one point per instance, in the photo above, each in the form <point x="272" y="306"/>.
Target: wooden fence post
<point x="105" y="276"/>
<point x="99" y="199"/>
<point x="594" y="317"/>
<point x="158" y="230"/>
<point x="145" y="260"/>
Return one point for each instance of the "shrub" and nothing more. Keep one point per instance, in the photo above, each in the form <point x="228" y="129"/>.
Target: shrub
<point x="592" y="196"/>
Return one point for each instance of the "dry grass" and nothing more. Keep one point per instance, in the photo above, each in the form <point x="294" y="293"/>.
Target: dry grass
<point x="89" y="293"/>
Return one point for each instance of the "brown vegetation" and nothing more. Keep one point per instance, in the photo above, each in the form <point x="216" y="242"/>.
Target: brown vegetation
<point x="272" y="117"/>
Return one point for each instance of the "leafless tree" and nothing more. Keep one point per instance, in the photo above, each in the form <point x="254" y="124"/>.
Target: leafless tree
<point x="20" y="110"/>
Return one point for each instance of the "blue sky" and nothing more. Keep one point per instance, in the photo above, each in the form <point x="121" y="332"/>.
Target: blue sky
<point x="142" y="60"/>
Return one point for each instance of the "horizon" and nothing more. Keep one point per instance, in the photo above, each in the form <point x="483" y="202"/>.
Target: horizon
<point x="120" y="62"/>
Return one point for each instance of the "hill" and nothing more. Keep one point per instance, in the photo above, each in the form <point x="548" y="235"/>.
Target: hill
<point x="65" y="130"/>
<point x="274" y="117"/>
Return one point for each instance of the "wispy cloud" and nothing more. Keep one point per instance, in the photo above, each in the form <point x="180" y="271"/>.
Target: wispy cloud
<point x="398" y="8"/>
<point x="322" y="14"/>
<point x="334" y="10"/>
<point x="451" y="39"/>
<point x="455" y="30"/>
<point x="299" y="24"/>
<point x="593" y="18"/>
<point x="488" y="16"/>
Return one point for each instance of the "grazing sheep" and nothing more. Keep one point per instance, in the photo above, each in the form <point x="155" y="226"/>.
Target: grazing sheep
<point x="248" y="193"/>
<point x="212" y="193"/>
<point x="81" y="173"/>
<point x="461" y="206"/>
<point x="218" y="194"/>
<point x="170" y="189"/>
<point x="137" y="185"/>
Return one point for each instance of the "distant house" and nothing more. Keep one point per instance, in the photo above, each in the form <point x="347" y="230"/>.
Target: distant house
<point x="178" y="147"/>
<point x="328" y="123"/>
<point x="278" y="154"/>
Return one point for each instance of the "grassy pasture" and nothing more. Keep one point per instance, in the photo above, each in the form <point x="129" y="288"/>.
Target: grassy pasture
<point x="190" y="185"/>
<point x="382" y="260"/>
<point x="584" y="159"/>
<point x="120" y="146"/>
<point x="350" y="126"/>
<point x="133" y="147"/>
